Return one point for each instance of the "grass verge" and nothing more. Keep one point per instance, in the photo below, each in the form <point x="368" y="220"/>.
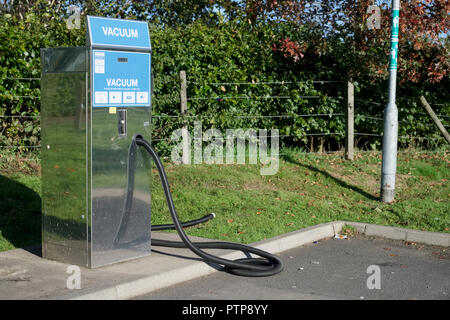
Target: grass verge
<point x="307" y="190"/>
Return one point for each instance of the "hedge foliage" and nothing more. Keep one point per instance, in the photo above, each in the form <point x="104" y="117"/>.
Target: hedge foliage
<point x="227" y="65"/>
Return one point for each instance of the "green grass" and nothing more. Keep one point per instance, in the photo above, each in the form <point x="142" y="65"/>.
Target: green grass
<point x="307" y="190"/>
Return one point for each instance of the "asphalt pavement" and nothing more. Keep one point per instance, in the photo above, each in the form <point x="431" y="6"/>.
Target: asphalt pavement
<point x="414" y="264"/>
<point x="358" y="267"/>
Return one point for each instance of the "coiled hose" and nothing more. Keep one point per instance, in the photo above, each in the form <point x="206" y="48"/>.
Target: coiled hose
<point x="267" y="265"/>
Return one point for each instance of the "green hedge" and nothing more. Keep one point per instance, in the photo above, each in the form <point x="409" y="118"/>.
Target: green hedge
<point x="228" y="52"/>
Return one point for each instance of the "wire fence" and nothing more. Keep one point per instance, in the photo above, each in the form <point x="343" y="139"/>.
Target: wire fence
<point x="263" y="82"/>
<point x="181" y="117"/>
<point x="249" y="116"/>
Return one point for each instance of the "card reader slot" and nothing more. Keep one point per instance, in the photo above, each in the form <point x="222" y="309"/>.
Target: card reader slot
<point x="122" y="122"/>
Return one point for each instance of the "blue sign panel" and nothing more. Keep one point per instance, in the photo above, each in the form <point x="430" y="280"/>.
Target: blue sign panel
<point x="120" y="79"/>
<point x="108" y="32"/>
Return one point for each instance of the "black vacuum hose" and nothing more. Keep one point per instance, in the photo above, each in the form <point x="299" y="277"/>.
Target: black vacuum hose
<point x="190" y="223"/>
<point x="128" y="203"/>
<point x="267" y="265"/>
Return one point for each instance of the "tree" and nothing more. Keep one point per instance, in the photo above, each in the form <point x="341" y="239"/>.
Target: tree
<point x="342" y="25"/>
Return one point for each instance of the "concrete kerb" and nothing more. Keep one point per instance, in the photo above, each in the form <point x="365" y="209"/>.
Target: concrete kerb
<point x="199" y="269"/>
<point x="274" y="245"/>
<point x="145" y="285"/>
<point x="394" y="233"/>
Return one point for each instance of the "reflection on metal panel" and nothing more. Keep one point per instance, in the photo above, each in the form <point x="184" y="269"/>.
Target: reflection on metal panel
<point x="109" y="187"/>
<point x="84" y="169"/>
<point x="60" y="60"/>
<point x="63" y="122"/>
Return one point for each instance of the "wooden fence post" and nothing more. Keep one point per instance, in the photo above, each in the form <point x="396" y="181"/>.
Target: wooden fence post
<point x="349" y="136"/>
<point x="435" y="119"/>
<point x="186" y="159"/>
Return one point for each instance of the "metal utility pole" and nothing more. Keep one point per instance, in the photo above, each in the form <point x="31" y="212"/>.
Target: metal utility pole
<point x="390" y="127"/>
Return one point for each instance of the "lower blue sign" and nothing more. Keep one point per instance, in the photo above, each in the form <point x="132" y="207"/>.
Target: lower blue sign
<point x="120" y="79"/>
